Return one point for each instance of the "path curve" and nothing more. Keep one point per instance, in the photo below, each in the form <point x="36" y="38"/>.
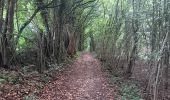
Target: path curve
<point x="83" y="81"/>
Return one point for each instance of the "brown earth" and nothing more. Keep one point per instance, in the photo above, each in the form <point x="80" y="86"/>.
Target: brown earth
<point x="83" y="80"/>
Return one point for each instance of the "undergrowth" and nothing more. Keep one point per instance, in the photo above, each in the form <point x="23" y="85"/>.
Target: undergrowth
<point x="27" y="82"/>
<point x="127" y="89"/>
<point x="30" y="97"/>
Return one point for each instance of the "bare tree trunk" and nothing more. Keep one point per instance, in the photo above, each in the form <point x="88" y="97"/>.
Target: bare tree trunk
<point x="10" y="26"/>
<point x="135" y="40"/>
<point x="167" y="45"/>
<point x="7" y="34"/>
<point x="81" y="42"/>
<point x="1" y="24"/>
<point x="166" y="69"/>
<point x="41" y="58"/>
<point x="1" y="14"/>
<point x="154" y="29"/>
<point x="60" y="29"/>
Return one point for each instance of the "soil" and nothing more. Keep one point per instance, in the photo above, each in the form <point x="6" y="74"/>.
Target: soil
<point x="83" y="80"/>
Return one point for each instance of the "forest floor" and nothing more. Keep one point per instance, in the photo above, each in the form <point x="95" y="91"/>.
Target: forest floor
<point x="84" y="80"/>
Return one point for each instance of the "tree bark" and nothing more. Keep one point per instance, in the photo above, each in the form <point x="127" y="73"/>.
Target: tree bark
<point x="1" y="24"/>
<point x="44" y="15"/>
<point x="135" y="29"/>
<point x="7" y="34"/>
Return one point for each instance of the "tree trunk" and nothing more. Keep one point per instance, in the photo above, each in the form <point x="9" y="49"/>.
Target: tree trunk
<point x="7" y="34"/>
<point x="81" y="42"/>
<point x="92" y="45"/>
<point x="1" y="24"/>
<point x="135" y="40"/>
<point x="1" y="14"/>
<point x="44" y="15"/>
<point x="40" y="52"/>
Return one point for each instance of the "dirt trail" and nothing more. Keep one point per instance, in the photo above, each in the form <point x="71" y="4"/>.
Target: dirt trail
<point x="83" y="81"/>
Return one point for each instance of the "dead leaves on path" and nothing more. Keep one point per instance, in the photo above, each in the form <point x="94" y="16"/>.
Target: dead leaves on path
<point x="83" y="81"/>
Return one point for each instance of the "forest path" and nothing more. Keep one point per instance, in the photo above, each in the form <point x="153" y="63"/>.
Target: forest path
<point x="84" y="80"/>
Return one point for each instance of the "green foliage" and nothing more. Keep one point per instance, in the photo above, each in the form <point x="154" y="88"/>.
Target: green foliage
<point x="127" y="90"/>
<point x="30" y="97"/>
<point x="25" y="9"/>
<point x="115" y="80"/>
<point x="15" y="80"/>
<point x="9" y="78"/>
<point x="87" y="44"/>
<point x="77" y="55"/>
<point x="130" y="92"/>
<point x="2" y="81"/>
